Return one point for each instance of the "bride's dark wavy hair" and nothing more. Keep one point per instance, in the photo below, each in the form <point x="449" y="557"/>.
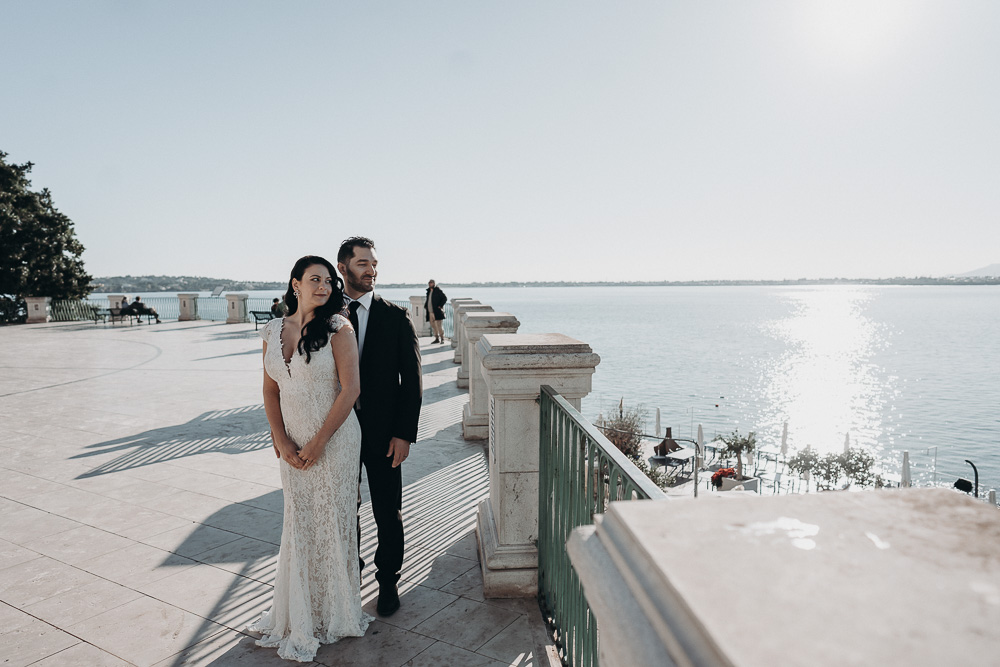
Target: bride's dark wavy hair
<point x="317" y="331"/>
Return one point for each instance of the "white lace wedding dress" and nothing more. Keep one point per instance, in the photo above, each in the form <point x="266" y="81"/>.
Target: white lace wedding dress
<point x="317" y="594"/>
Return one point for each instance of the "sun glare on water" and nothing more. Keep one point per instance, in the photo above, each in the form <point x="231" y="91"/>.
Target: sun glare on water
<point x="825" y="386"/>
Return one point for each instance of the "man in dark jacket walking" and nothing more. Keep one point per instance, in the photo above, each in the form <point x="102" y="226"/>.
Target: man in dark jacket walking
<point x="434" y="310"/>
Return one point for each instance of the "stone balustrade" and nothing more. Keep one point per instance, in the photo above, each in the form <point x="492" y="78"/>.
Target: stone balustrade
<point x="905" y="577"/>
<point x="461" y="349"/>
<point x="462" y="378"/>
<point x="457" y="325"/>
<point x="418" y="309"/>
<point x="39" y="309"/>
<point x="188" y="307"/>
<point x="475" y="416"/>
<point x="514" y="367"/>
<point x="236" y="308"/>
<point x="454" y="314"/>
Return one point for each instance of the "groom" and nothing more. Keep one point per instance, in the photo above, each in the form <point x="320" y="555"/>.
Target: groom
<point x="389" y="406"/>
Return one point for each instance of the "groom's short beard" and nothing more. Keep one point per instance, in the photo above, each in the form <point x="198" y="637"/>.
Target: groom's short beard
<point x="354" y="282"/>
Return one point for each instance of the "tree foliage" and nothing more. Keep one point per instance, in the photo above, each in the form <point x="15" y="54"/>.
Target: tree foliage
<point x="804" y="461"/>
<point x="624" y="430"/>
<point x="39" y="251"/>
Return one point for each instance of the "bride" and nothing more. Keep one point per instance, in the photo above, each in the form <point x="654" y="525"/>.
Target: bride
<point x="311" y="382"/>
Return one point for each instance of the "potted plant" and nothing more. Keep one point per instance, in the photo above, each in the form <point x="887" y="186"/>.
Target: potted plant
<point x="859" y="465"/>
<point x="736" y="445"/>
<point x="804" y="463"/>
<point x="829" y="469"/>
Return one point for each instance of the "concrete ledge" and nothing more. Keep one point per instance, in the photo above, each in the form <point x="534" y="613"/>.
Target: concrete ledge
<point x="877" y="577"/>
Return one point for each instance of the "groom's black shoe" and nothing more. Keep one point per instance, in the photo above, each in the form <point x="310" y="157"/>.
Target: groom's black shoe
<point x="388" y="600"/>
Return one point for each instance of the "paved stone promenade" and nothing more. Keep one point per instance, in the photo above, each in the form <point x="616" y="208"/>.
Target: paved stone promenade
<point x="140" y="509"/>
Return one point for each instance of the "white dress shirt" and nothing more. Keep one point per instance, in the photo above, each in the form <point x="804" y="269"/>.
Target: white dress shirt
<point x="363" y="310"/>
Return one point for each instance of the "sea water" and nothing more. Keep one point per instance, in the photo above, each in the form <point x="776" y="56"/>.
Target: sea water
<point x="889" y="368"/>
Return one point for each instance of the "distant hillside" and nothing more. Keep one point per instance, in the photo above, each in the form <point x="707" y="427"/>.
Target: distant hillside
<point x="127" y="284"/>
<point x="993" y="270"/>
<point x="174" y="284"/>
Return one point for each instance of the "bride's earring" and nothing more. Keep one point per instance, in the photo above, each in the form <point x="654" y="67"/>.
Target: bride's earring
<point x="296" y="293"/>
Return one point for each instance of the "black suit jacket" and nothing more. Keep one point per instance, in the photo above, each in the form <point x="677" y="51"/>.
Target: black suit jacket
<point x="391" y="382"/>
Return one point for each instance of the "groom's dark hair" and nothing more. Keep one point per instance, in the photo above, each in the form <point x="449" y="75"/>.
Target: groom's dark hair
<point x="346" y="251"/>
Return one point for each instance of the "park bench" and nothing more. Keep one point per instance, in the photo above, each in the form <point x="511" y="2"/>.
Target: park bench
<point x="259" y="316"/>
<point x="116" y="314"/>
<point x="96" y="314"/>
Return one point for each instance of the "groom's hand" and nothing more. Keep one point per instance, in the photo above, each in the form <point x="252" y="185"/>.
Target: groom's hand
<point x="399" y="449"/>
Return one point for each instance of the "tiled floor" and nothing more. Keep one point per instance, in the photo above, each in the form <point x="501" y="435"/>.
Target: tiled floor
<point x="140" y="509"/>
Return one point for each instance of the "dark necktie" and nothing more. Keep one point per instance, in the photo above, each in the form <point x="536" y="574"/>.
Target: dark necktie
<point x="353" y="307"/>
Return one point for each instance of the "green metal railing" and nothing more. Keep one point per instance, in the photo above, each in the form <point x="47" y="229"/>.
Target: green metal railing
<point x="580" y="472"/>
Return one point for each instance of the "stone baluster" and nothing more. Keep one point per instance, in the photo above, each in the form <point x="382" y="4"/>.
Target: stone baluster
<point x="421" y="324"/>
<point x="454" y="318"/>
<point x="475" y="416"/>
<point x="236" y="312"/>
<point x="460" y="332"/>
<point x="39" y="309"/>
<point x="514" y="366"/>
<point x="187" y="306"/>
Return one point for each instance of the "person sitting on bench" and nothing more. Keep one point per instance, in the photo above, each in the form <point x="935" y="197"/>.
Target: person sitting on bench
<point x="278" y="308"/>
<point x="139" y="308"/>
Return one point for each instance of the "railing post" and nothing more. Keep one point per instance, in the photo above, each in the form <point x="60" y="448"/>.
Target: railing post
<point x="476" y="414"/>
<point x="420" y="323"/>
<point x="39" y="309"/>
<point x="514" y="366"/>
<point x="457" y="335"/>
<point x="236" y="312"/>
<point x="462" y="351"/>
<point x="454" y="319"/>
<point x="115" y="300"/>
<point x="187" y="307"/>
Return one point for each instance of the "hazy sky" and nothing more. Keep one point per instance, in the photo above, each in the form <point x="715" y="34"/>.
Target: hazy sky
<point x="482" y="141"/>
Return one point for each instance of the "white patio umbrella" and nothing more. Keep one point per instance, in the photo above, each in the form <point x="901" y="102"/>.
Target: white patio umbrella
<point x="784" y="440"/>
<point x="699" y="458"/>
<point x="657" y="422"/>
<point x="904" y="479"/>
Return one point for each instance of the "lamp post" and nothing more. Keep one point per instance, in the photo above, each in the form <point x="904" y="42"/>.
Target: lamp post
<point x="975" y="471"/>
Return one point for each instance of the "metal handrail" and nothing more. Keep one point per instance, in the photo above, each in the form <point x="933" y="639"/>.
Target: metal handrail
<point x="580" y="472"/>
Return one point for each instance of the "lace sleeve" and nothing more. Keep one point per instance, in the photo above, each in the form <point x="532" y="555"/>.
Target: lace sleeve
<point x="263" y="333"/>
<point x="337" y="321"/>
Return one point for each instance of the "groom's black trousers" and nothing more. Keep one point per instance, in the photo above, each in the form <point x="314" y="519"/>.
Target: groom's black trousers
<point x="385" y="484"/>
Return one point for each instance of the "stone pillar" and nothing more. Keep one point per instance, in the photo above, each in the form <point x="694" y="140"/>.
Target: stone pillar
<point x="460" y="331"/>
<point x="420" y="324"/>
<point x="188" y="306"/>
<point x="39" y="309"/>
<point x="115" y="300"/>
<point x="468" y="347"/>
<point x="454" y="316"/>
<point x="236" y="313"/>
<point x="476" y="415"/>
<point x="514" y="366"/>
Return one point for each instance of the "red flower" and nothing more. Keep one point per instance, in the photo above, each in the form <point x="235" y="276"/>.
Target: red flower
<point x="719" y="474"/>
